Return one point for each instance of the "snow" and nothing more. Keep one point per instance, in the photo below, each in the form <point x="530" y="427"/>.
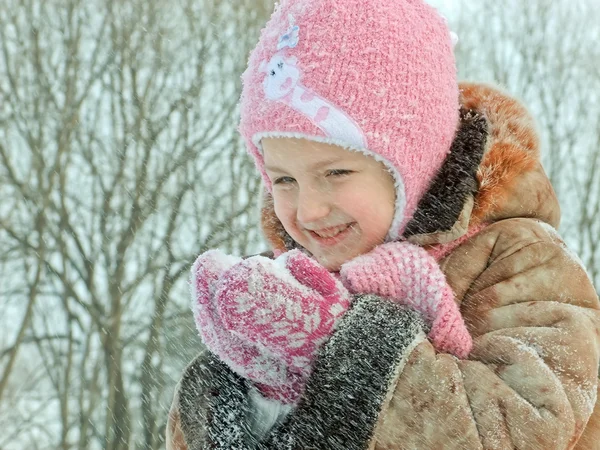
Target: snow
<point x="264" y="413"/>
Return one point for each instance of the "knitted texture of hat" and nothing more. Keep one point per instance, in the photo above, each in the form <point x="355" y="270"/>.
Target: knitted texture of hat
<point x="377" y="76"/>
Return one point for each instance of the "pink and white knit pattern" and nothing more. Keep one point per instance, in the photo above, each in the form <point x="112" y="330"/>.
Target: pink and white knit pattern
<point x="266" y="318"/>
<point x="376" y="76"/>
<point x="406" y="273"/>
<point x="289" y="306"/>
<point x="269" y="372"/>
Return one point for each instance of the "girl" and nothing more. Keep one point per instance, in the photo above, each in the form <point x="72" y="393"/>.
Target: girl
<point x="419" y="296"/>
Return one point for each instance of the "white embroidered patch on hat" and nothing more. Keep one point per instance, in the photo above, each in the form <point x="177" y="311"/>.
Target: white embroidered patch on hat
<point x="282" y="84"/>
<point x="291" y="37"/>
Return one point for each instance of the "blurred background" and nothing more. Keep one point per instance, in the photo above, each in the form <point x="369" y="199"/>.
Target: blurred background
<point x="120" y="162"/>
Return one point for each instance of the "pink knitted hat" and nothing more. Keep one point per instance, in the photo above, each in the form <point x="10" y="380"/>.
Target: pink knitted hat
<point x="376" y="76"/>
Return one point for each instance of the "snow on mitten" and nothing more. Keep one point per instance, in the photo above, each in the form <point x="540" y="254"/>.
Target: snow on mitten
<point x="267" y="371"/>
<point x="289" y="306"/>
<point x="409" y="275"/>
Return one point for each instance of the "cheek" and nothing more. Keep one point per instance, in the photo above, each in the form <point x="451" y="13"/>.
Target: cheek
<point x="364" y="203"/>
<point x="384" y="209"/>
<point x="373" y="209"/>
<point x="284" y="209"/>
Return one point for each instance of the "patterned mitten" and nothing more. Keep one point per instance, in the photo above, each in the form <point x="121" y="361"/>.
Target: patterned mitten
<point x="269" y="373"/>
<point x="288" y="306"/>
<point x="409" y="275"/>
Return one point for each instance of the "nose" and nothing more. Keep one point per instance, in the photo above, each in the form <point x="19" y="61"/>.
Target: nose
<point x="313" y="206"/>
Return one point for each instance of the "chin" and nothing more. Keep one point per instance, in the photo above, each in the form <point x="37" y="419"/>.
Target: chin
<point x="331" y="264"/>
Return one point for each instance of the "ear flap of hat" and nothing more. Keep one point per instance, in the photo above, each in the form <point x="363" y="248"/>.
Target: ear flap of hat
<point x="437" y="221"/>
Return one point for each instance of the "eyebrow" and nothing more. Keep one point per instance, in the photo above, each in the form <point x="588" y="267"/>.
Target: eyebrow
<point x="314" y="166"/>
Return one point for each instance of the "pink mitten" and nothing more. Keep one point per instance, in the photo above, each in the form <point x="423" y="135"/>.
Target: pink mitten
<point x="288" y="306"/>
<point x="409" y="275"/>
<point x="267" y="371"/>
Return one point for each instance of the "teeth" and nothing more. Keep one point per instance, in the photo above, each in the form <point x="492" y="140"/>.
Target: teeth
<point x="331" y="233"/>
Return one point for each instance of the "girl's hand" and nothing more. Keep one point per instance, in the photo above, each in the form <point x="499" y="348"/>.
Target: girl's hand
<point x="269" y="372"/>
<point x="288" y="306"/>
<point x="266" y="318"/>
<point x="407" y="274"/>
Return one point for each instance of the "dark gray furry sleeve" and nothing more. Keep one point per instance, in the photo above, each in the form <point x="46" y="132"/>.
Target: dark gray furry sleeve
<point x="213" y="406"/>
<point x="353" y="375"/>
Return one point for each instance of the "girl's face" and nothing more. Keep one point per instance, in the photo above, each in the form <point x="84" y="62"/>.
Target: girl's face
<point x="336" y="203"/>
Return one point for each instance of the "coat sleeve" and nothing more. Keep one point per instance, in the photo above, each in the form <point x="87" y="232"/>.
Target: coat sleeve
<point x="352" y="378"/>
<point x="531" y="380"/>
<point x="351" y="382"/>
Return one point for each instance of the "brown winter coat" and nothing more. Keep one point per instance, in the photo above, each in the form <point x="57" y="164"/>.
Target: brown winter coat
<point x="531" y="381"/>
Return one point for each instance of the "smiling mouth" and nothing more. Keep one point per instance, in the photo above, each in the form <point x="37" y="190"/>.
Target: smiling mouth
<point x="331" y="231"/>
<point x="332" y="236"/>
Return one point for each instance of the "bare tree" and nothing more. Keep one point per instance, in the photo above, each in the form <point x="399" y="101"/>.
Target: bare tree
<point x="120" y="163"/>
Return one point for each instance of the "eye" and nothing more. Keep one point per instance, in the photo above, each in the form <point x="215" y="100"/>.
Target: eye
<point x="338" y="172"/>
<point x="284" y="180"/>
<point x="272" y="73"/>
<point x="280" y="65"/>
